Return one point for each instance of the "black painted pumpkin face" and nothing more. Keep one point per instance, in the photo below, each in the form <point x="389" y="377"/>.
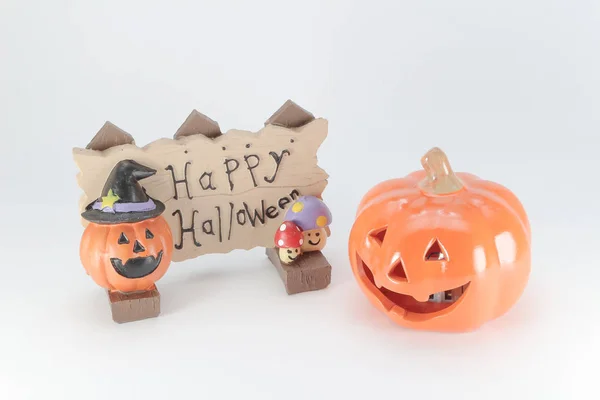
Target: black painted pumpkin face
<point x="136" y="267"/>
<point x="127" y="257"/>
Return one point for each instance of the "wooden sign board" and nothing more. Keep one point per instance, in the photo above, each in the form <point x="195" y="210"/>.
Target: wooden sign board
<point x="221" y="191"/>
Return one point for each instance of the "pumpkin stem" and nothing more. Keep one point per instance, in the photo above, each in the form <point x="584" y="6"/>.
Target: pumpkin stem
<point x="440" y="178"/>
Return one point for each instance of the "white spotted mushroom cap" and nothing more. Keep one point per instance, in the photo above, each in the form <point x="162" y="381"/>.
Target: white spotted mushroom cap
<point x="309" y="212"/>
<point x="289" y="236"/>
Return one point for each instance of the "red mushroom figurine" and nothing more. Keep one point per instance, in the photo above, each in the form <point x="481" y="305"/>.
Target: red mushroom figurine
<point x="289" y="240"/>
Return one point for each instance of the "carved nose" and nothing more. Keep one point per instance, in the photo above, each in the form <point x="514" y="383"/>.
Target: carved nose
<point x="397" y="272"/>
<point x="137" y="247"/>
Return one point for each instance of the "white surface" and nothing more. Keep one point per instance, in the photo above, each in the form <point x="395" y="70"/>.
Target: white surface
<point x="509" y="89"/>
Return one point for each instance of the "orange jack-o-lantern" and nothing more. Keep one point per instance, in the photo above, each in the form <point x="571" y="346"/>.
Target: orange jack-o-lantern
<point x="127" y="245"/>
<point x="127" y="257"/>
<point x="441" y="251"/>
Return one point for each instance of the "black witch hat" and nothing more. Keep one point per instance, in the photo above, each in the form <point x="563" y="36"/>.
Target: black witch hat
<point x="123" y="199"/>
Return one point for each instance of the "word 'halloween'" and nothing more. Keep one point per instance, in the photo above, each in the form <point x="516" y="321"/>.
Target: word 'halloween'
<point x="221" y="223"/>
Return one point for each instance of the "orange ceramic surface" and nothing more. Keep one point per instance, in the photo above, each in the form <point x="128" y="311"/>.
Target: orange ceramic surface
<point x="441" y="251"/>
<point x="127" y="257"/>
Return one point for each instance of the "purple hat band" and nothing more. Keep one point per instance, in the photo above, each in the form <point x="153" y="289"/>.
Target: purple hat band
<point x="126" y="207"/>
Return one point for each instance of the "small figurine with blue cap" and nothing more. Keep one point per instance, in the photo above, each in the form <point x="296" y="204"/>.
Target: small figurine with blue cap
<point x="312" y="216"/>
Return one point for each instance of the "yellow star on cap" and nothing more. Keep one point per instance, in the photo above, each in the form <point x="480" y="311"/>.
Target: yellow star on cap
<point x="110" y="199"/>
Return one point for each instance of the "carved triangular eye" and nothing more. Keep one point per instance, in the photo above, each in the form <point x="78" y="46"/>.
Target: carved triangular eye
<point x="398" y="272"/>
<point x="123" y="239"/>
<point x="378" y="235"/>
<point x="149" y="235"/>
<point x="435" y="252"/>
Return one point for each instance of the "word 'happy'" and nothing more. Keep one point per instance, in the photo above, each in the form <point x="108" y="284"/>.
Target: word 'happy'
<point x="231" y="165"/>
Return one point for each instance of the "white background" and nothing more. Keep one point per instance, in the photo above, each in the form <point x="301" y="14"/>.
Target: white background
<point x="509" y="89"/>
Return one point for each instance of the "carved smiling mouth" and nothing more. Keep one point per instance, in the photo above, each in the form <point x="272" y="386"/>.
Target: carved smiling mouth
<point x="437" y="301"/>
<point x="292" y="258"/>
<point x="314" y="244"/>
<point x="137" y="267"/>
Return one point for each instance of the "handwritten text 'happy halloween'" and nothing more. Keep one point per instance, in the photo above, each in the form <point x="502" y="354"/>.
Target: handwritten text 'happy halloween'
<point x="221" y="223"/>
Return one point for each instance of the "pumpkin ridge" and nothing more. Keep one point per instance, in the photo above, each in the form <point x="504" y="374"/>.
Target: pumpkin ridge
<point x="490" y="195"/>
<point x="488" y="230"/>
<point x="397" y="195"/>
<point x="515" y="205"/>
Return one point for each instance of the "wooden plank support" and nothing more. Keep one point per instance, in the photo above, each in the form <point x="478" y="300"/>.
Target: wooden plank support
<point x="311" y="272"/>
<point x="129" y="307"/>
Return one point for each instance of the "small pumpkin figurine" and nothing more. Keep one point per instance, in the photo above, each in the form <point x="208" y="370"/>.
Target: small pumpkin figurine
<point x="438" y="250"/>
<point x="127" y="245"/>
